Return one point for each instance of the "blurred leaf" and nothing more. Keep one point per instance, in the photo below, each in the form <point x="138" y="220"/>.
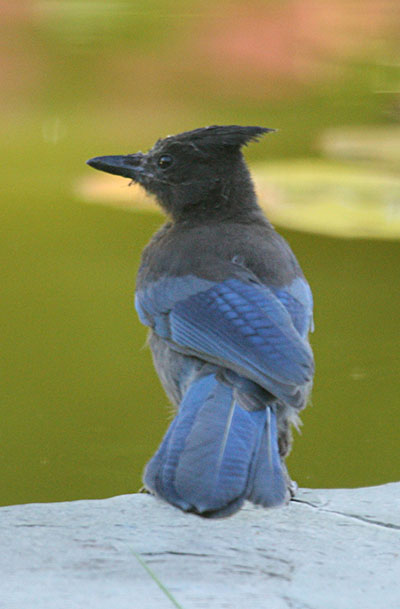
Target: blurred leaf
<point x="364" y="143"/>
<point x="111" y="190"/>
<point x="330" y="199"/>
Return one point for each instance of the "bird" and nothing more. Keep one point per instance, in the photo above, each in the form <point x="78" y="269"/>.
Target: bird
<point x="229" y="313"/>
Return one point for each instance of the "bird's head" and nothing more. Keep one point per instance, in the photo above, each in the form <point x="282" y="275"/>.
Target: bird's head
<point x="194" y="172"/>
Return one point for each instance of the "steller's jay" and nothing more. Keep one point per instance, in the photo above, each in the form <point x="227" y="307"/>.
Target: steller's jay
<point x="229" y="312"/>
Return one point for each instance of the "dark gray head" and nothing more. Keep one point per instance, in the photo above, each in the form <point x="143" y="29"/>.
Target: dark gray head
<point x="195" y="173"/>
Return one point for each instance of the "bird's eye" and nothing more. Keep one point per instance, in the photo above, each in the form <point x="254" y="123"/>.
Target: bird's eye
<point x="165" y="161"/>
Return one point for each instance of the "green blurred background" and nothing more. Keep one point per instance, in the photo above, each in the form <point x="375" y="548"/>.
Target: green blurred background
<point x="81" y="407"/>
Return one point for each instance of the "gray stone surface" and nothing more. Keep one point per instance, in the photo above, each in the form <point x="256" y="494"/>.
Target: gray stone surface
<point x="329" y="549"/>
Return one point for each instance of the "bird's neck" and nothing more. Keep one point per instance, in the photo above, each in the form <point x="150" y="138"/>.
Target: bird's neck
<point x="230" y="199"/>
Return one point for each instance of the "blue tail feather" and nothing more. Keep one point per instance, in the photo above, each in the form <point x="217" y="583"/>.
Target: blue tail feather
<point x="269" y="485"/>
<point x="156" y="472"/>
<point x="216" y="454"/>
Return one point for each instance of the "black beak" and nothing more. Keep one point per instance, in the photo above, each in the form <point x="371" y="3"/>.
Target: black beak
<point x="128" y="166"/>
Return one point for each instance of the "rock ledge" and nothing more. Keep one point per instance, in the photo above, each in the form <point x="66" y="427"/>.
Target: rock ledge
<point x="329" y="549"/>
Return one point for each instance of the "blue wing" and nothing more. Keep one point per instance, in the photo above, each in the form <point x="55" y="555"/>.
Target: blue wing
<point x="298" y="300"/>
<point x="258" y="332"/>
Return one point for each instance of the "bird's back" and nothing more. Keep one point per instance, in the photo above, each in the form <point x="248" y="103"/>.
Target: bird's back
<point x="213" y="251"/>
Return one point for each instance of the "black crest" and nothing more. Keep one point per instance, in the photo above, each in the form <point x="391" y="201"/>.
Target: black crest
<point x="234" y="136"/>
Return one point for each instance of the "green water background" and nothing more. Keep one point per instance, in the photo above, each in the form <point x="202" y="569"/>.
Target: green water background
<point x="81" y="408"/>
